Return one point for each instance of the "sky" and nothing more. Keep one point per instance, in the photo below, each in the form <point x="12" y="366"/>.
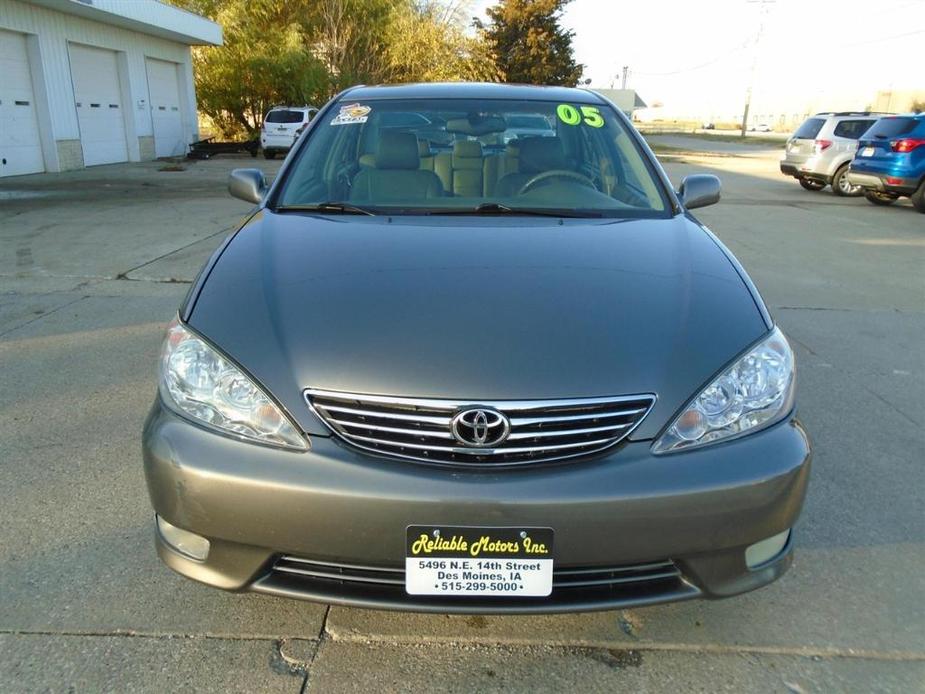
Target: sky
<point x="696" y="57"/>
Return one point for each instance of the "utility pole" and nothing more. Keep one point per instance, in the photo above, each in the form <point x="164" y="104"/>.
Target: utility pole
<point x="626" y="70"/>
<point x="765" y="6"/>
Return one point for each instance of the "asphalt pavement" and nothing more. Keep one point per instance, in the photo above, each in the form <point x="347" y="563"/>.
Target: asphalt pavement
<point x="93" y="264"/>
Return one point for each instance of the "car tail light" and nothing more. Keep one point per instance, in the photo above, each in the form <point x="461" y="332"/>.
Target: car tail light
<point x="822" y="145"/>
<point x="892" y="181"/>
<point x="907" y="144"/>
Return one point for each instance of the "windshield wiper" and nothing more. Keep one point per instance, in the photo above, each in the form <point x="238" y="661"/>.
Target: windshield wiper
<point x="327" y="207"/>
<point x="501" y="208"/>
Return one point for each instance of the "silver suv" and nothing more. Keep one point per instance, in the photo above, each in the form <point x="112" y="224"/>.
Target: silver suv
<point x="819" y="152"/>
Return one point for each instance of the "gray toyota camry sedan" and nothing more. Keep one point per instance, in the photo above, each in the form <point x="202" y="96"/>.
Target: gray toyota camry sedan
<point x="446" y="366"/>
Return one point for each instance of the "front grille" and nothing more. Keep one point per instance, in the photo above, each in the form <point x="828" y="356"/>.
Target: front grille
<point x="420" y="429"/>
<point x="574" y="588"/>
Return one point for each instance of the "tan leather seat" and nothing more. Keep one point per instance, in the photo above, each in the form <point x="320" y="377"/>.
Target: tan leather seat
<point x="443" y="167"/>
<point x="397" y="174"/>
<point x="498" y="166"/>
<point x="467" y="169"/>
<point x="537" y="155"/>
<point x="462" y="170"/>
<point x="426" y="155"/>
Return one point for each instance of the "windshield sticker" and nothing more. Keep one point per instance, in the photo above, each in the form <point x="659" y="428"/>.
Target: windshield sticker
<point x="589" y="115"/>
<point x="352" y="113"/>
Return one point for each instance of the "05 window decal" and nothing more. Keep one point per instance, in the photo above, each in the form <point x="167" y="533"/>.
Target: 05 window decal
<point x="589" y="115"/>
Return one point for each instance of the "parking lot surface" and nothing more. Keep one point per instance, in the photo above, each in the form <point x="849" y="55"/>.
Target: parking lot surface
<point x="95" y="262"/>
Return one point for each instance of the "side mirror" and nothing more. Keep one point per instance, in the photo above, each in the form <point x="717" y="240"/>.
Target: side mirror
<point x="700" y="190"/>
<point x="247" y="184"/>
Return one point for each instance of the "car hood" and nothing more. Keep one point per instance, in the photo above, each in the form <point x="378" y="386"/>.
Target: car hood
<point x="478" y="308"/>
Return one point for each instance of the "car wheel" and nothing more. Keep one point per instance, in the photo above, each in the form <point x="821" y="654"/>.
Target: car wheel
<point x="875" y="197"/>
<point x="269" y="155"/>
<point x="918" y="198"/>
<point x="811" y="184"/>
<point x="841" y="187"/>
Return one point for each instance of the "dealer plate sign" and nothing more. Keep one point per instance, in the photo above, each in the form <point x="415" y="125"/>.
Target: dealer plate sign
<point x="456" y="560"/>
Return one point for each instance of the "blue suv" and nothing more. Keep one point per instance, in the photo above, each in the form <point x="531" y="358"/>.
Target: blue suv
<point x="890" y="161"/>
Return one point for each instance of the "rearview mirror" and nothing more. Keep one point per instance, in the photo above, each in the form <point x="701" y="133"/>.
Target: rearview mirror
<point x="700" y="190"/>
<point x="247" y="184"/>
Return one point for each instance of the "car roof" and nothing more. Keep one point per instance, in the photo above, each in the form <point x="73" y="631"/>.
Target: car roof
<point x="473" y="90"/>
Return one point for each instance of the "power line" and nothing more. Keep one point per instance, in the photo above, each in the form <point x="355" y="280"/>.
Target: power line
<point x="884" y="38"/>
<point x="680" y="71"/>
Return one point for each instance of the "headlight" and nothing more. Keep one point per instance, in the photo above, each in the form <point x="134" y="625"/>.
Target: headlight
<point x="755" y="392"/>
<point x="201" y="383"/>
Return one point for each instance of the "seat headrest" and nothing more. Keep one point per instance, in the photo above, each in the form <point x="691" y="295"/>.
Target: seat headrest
<point x="467" y="148"/>
<point x="541" y="154"/>
<point x="397" y="151"/>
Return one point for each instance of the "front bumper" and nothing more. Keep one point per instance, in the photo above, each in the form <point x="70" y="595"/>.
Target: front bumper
<point x="346" y="512"/>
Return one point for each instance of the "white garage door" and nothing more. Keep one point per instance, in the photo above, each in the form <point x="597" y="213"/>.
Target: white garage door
<point x="20" y="147"/>
<point x="99" y="105"/>
<point x="164" y="96"/>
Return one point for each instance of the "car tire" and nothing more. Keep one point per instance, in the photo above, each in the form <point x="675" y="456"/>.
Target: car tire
<point x="875" y="197"/>
<point x="918" y="197"/>
<point x="269" y="155"/>
<point x="811" y="184"/>
<point x="841" y="187"/>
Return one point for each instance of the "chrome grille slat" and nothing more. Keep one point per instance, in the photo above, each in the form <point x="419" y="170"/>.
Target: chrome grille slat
<point x="563" y="432"/>
<point x="341" y="565"/>
<point x="339" y="576"/>
<point x="421" y="429"/>
<point x="394" y="430"/>
<point x="524" y="421"/>
<point x="483" y="451"/>
<point x="390" y="415"/>
<point x="617" y="569"/>
<point x="614" y="580"/>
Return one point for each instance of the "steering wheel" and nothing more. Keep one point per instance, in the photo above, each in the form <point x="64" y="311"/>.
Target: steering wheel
<point x="556" y="173"/>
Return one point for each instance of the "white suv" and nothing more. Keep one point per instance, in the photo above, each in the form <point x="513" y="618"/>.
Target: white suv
<point x="282" y="126"/>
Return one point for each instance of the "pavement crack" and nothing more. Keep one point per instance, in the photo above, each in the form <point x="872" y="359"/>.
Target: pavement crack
<point x="124" y="275"/>
<point x="636" y="645"/>
<point x="131" y="633"/>
<point x="44" y="315"/>
<point x="892" y="407"/>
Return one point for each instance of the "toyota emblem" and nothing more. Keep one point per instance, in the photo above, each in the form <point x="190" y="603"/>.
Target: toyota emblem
<point x="480" y="427"/>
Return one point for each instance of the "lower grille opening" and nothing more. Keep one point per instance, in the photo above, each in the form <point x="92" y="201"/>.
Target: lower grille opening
<point x="574" y="588"/>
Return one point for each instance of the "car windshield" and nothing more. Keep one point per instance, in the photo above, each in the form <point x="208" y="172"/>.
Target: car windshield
<point x="809" y="129"/>
<point x="465" y="156"/>
<point x="281" y="116"/>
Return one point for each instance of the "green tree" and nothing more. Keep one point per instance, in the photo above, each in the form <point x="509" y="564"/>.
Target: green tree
<point x="426" y="41"/>
<point x="264" y="61"/>
<point x="305" y="51"/>
<point x="529" y="44"/>
<point x="917" y="106"/>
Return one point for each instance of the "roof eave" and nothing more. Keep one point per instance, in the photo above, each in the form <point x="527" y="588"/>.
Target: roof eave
<point x="154" y="19"/>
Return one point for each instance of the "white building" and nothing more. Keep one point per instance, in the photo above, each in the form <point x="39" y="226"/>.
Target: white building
<point x="86" y="82"/>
